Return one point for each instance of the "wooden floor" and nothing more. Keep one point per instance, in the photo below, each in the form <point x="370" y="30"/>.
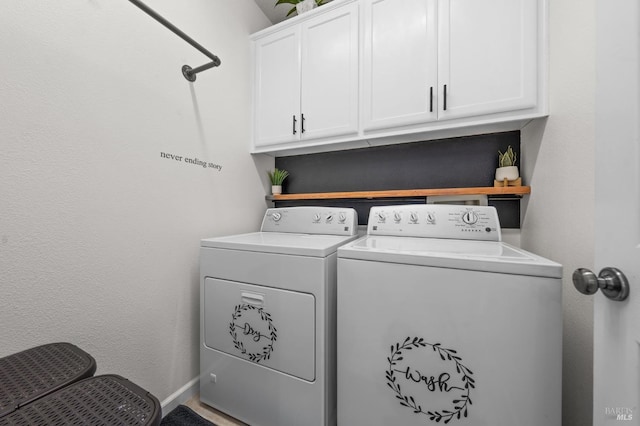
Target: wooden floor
<point x="210" y="414"/>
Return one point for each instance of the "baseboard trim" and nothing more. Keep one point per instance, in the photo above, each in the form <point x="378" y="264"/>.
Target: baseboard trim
<point x="180" y="396"/>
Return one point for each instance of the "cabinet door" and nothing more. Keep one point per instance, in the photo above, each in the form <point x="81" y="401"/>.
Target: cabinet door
<point x="399" y="70"/>
<point x="487" y="56"/>
<point x="330" y="73"/>
<point x="277" y="88"/>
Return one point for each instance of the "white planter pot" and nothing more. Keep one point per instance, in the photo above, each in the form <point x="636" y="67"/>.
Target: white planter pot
<point x="509" y="173"/>
<point x="305" y="6"/>
<point x="276" y="189"/>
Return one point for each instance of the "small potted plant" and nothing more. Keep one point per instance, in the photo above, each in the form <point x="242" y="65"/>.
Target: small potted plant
<point x="301" y="6"/>
<point x="277" y="176"/>
<point x="507" y="168"/>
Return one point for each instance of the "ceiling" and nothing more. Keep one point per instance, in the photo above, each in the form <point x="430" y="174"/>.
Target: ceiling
<point x="275" y="13"/>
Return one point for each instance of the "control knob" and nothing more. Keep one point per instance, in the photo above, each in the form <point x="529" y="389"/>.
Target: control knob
<point x="470" y="217"/>
<point x="342" y="217"/>
<point x="329" y="218"/>
<point x="276" y="216"/>
<point x="413" y="217"/>
<point x="397" y="217"/>
<point x="382" y="217"/>
<point x="316" y="218"/>
<point x="431" y="218"/>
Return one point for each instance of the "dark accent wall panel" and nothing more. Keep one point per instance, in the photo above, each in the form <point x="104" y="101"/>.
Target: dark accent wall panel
<point x="447" y="163"/>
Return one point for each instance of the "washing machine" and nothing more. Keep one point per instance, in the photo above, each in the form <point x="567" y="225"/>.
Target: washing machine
<point x="439" y="322"/>
<point x="268" y="318"/>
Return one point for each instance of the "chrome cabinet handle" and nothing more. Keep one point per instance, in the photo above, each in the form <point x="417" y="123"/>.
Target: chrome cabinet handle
<point x="611" y="281"/>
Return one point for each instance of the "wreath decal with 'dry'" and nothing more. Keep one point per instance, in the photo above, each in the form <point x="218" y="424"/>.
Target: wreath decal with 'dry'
<point x="252" y="332"/>
<point x="461" y="391"/>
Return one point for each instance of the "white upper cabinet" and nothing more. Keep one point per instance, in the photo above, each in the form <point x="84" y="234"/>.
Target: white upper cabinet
<point x="487" y="56"/>
<point x="356" y="73"/>
<point x="427" y="60"/>
<point x="399" y="69"/>
<point x="306" y="79"/>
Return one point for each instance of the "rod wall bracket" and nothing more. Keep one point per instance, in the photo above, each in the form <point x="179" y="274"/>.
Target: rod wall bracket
<point x="188" y="72"/>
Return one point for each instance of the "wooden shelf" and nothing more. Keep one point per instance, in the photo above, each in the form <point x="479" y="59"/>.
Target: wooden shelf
<point x="403" y="193"/>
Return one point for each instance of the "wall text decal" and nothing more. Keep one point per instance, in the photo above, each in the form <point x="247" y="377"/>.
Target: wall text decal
<point x="191" y="160"/>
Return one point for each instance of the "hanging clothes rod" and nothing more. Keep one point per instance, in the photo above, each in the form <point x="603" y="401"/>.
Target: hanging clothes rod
<point x="188" y="72"/>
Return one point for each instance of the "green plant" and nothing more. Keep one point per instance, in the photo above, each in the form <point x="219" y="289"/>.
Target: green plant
<point x="294" y="2"/>
<point x="508" y="158"/>
<point x="277" y="176"/>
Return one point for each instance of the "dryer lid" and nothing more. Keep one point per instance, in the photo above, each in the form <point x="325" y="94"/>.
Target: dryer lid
<point x="487" y="256"/>
<point x="313" y="245"/>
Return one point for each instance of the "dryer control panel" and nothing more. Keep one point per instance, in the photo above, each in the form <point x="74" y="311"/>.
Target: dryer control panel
<point x="311" y="220"/>
<point x="436" y="221"/>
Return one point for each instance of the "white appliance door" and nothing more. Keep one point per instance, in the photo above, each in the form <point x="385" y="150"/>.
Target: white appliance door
<point x="617" y="226"/>
<point x="429" y="345"/>
<point x="267" y="326"/>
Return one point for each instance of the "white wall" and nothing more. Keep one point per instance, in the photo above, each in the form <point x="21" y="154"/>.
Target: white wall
<point x="99" y="235"/>
<point x="559" y="165"/>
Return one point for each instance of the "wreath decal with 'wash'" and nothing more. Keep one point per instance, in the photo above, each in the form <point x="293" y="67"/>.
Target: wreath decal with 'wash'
<point x="253" y="338"/>
<point x="453" y="385"/>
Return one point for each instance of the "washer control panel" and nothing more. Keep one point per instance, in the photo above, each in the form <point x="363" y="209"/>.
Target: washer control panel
<point x="311" y="220"/>
<point x="436" y="221"/>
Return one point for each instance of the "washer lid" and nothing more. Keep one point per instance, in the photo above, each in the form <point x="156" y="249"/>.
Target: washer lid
<point x="313" y="245"/>
<point x="487" y="256"/>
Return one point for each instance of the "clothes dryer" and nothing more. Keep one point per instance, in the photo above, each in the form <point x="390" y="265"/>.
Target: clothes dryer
<point x="268" y="327"/>
<point x="439" y="322"/>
